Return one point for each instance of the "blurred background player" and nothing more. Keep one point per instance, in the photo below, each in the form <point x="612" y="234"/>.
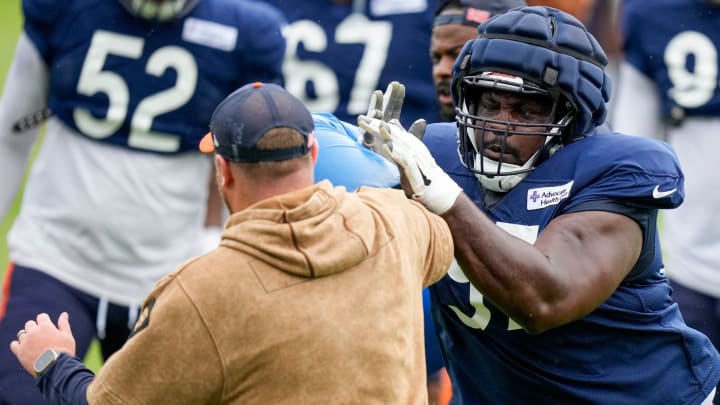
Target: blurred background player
<point x="340" y="51"/>
<point x="581" y="9"/>
<point x="456" y="23"/>
<point x="117" y="194"/>
<point x="668" y="89"/>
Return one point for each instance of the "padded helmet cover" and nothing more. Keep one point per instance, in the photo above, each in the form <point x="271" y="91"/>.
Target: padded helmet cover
<point x="549" y="47"/>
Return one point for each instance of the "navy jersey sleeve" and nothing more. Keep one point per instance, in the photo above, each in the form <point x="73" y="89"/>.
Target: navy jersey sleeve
<point x="632" y="30"/>
<point x="643" y="172"/>
<point x="66" y="382"/>
<point x="634" y="177"/>
<point x="40" y="16"/>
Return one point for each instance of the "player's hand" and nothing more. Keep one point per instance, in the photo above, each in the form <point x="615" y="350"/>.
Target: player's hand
<point x="39" y="335"/>
<point x="422" y="179"/>
<point x="387" y="107"/>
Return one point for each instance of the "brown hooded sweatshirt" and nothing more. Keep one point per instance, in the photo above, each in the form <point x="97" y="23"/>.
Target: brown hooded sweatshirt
<point x="312" y="297"/>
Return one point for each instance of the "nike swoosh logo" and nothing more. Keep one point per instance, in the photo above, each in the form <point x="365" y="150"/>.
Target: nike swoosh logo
<point x="657" y="194"/>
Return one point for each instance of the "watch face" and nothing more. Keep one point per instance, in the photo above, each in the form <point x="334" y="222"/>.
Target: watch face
<point x="45" y="360"/>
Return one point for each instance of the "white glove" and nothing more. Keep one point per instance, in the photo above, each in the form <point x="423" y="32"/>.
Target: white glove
<point x="426" y="182"/>
<point x="387" y="107"/>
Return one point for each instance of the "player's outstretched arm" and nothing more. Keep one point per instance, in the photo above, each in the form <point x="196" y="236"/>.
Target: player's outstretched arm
<point x="576" y="263"/>
<point x="574" y="266"/>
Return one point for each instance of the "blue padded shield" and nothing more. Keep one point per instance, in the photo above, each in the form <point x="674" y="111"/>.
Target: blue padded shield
<point x="549" y="47"/>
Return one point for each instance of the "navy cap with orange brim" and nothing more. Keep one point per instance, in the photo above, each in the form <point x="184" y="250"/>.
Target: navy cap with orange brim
<point x="244" y="116"/>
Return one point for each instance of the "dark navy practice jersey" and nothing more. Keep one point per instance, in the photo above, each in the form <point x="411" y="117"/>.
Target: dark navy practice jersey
<point x="336" y="57"/>
<point x="676" y="43"/>
<point x="634" y="348"/>
<point x="151" y="86"/>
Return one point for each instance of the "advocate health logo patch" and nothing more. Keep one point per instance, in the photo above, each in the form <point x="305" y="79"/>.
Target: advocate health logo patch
<point x="539" y="198"/>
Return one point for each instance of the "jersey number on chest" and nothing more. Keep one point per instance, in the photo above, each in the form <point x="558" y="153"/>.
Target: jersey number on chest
<point x="480" y="319"/>
<point x="375" y="37"/>
<point x="692" y="88"/>
<point x="93" y="80"/>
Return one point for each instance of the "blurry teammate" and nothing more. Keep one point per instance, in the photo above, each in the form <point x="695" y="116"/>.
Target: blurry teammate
<point x="581" y="9"/>
<point x="117" y="194"/>
<point x="558" y="295"/>
<point x="669" y="90"/>
<point x="312" y="297"/>
<point x="456" y="23"/>
<point x="340" y="51"/>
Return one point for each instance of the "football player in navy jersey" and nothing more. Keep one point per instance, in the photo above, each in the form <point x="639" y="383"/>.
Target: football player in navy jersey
<point x="117" y="193"/>
<point x="668" y="89"/>
<point x="340" y="51"/>
<point x="559" y="294"/>
<point x="456" y="23"/>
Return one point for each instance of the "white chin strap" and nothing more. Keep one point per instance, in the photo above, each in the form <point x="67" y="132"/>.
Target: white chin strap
<point x="502" y="183"/>
<point x="505" y="182"/>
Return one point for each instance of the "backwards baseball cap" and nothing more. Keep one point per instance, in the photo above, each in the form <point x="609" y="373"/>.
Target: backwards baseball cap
<point x="247" y="114"/>
<point x="474" y="12"/>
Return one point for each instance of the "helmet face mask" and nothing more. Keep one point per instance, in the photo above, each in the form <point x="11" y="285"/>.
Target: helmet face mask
<point x="484" y="135"/>
<point x="159" y="10"/>
<point x="537" y="55"/>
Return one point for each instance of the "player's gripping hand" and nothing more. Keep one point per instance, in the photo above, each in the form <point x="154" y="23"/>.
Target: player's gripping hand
<point x="387" y="107"/>
<point x="422" y="179"/>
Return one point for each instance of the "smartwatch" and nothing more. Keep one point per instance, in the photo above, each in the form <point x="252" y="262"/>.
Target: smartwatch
<point x="45" y="361"/>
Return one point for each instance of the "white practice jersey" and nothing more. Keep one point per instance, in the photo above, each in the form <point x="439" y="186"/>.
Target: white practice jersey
<point x="111" y="235"/>
<point x="107" y="220"/>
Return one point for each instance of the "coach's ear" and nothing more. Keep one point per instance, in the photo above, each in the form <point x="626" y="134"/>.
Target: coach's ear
<point x="223" y="174"/>
<point x="314" y="146"/>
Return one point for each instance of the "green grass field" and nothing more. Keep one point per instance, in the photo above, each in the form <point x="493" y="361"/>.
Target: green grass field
<point x="10" y="28"/>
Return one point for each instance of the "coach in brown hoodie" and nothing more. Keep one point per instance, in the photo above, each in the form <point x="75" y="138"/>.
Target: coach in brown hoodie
<point x="313" y="296"/>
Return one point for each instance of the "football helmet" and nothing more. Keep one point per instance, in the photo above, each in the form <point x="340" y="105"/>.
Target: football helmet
<point x="535" y="51"/>
<point x="159" y="10"/>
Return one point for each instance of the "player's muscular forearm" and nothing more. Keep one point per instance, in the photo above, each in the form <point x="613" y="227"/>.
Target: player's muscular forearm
<point x="570" y="270"/>
<point x="497" y="263"/>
